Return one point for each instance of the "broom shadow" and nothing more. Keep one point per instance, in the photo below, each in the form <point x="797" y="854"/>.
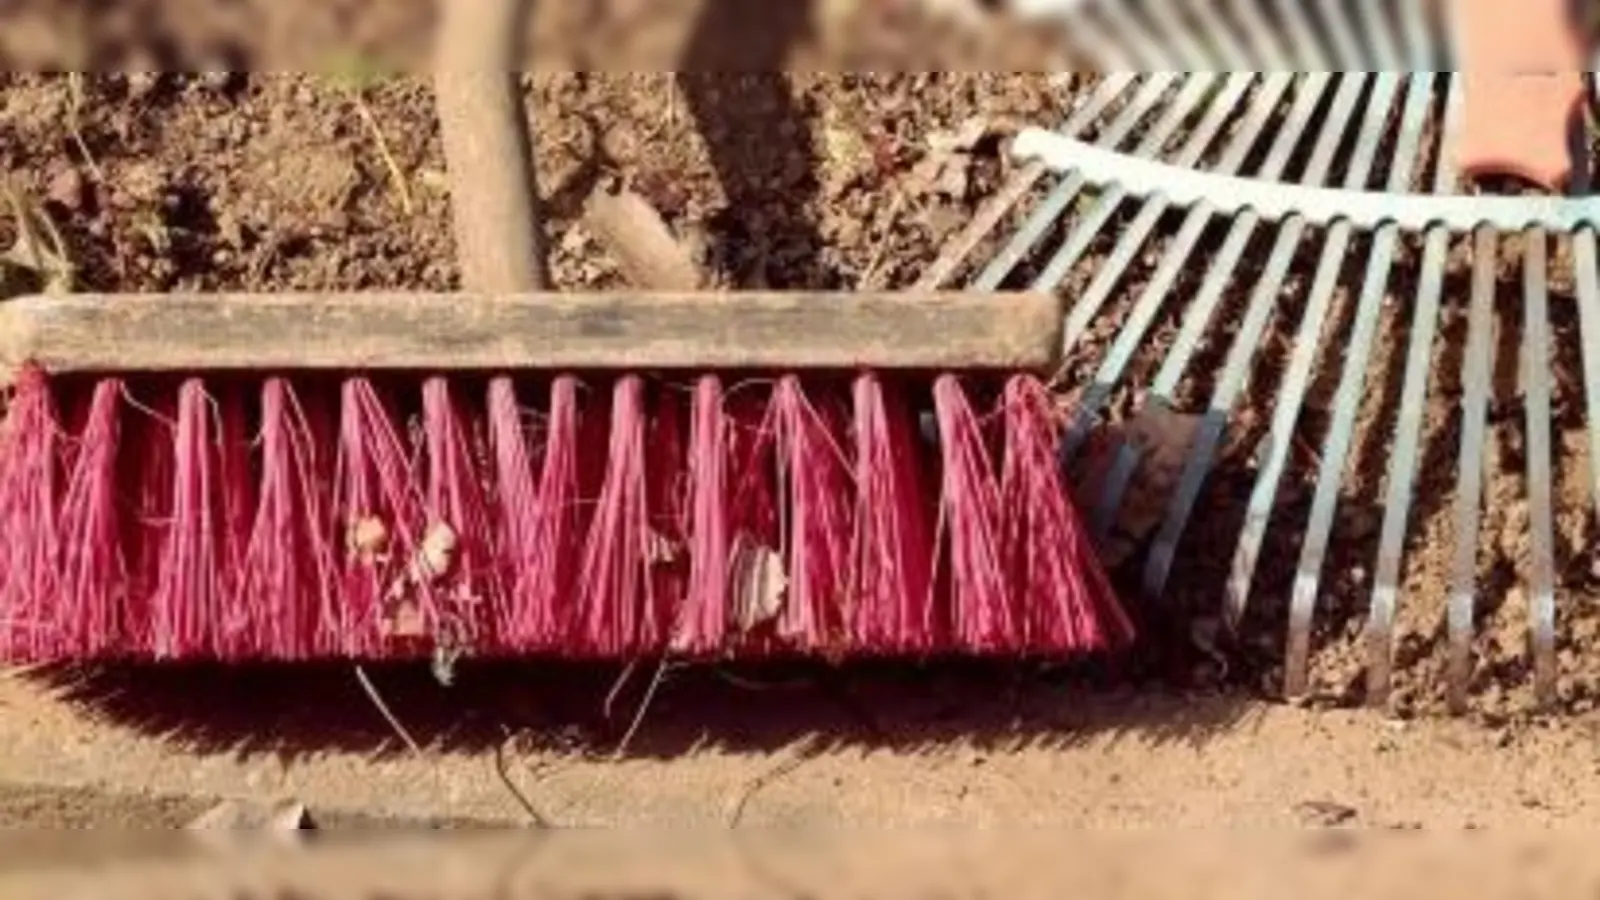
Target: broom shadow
<point x="296" y="712"/>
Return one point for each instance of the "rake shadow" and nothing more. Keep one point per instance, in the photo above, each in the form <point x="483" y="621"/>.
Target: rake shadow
<point x="297" y="711"/>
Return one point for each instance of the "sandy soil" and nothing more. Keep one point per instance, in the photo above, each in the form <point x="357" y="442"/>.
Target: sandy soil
<point x="263" y="182"/>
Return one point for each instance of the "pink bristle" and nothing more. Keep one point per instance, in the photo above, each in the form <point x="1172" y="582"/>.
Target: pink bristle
<point x="146" y="470"/>
<point x="666" y="489"/>
<point x="29" y="461"/>
<point x="374" y="484"/>
<point x="613" y="586"/>
<point x="470" y="591"/>
<point x="194" y="577"/>
<point x="817" y="499"/>
<point x="892" y="584"/>
<point x="94" y="570"/>
<point x="982" y="614"/>
<point x="559" y="529"/>
<point x="702" y="621"/>
<point x="517" y="520"/>
<point x="754" y="523"/>
<point x="290" y="578"/>
<point x="1048" y="558"/>
<point x="237" y="506"/>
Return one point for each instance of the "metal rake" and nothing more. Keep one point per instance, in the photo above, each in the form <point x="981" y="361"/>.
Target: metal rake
<point x="1151" y="163"/>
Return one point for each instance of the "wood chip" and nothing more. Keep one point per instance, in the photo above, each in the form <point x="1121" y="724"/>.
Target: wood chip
<point x="651" y="257"/>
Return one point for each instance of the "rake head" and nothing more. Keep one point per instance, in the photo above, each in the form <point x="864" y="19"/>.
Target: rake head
<point x="1286" y="262"/>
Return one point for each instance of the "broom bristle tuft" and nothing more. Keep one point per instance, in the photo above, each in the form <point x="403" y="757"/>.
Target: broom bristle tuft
<point x="769" y="517"/>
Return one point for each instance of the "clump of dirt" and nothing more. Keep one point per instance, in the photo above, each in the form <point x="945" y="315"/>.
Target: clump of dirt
<point x="260" y="182"/>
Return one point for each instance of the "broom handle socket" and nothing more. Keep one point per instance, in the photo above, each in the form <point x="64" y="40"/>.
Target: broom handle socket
<point x="485" y="129"/>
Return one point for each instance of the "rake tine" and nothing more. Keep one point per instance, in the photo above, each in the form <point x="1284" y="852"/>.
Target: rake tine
<point x="1124" y="30"/>
<point x="1065" y="191"/>
<point x="1131" y="335"/>
<point x="1260" y="37"/>
<point x="1112" y="195"/>
<point x="1110" y="53"/>
<point x="1419" y="42"/>
<point x="996" y="207"/>
<point x="1216" y="279"/>
<point x="1382" y="44"/>
<point x="1236" y="370"/>
<point x="1586" y="267"/>
<point x="1197" y="318"/>
<point x="1469" y="485"/>
<point x="1190" y="51"/>
<point x="1219" y="38"/>
<point x="1302" y="43"/>
<point x="1132" y="236"/>
<point x="1408" y="426"/>
<point x="1347" y="405"/>
<point x="1345" y="46"/>
<point x="1536" y="370"/>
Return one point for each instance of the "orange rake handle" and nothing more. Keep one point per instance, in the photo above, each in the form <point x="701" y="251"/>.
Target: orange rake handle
<point x="1522" y="67"/>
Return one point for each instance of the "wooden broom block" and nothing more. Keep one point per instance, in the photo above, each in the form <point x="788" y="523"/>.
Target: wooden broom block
<point x="129" y="333"/>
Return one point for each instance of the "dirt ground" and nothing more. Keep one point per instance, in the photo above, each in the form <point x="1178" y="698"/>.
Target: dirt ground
<point x="259" y="182"/>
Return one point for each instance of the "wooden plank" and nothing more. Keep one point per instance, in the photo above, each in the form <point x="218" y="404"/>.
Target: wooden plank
<point x="621" y="330"/>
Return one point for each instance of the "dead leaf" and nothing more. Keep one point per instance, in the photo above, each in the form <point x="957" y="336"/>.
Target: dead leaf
<point x="367" y="539"/>
<point x="402" y="612"/>
<point x="1163" y="438"/>
<point x="659" y="549"/>
<point x="402" y="618"/>
<point x="760" y="584"/>
<point x="946" y="169"/>
<point x="941" y="176"/>
<point x="959" y="140"/>
<point x="433" y="559"/>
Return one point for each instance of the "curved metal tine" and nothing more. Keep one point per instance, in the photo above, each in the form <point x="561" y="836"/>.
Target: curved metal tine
<point x="1536" y="356"/>
<point x="1347" y="403"/>
<point x="996" y="207"/>
<point x="1132" y="235"/>
<point x="1245" y="344"/>
<point x="1189" y="52"/>
<point x="1416" y="38"/>
<point x="1302" y="42"/>
<point x="1586" y="269"/>
<point x="1078" y="241"/>
<point x="1217" y="37"/>
<point x="1176" y="255"/>
<point x="1065" y="191"/>
<point x="1381" y="41"/>
<point x="1345" y="46"/>
<point x="1403" y="458"/>
<point x="1107" y="54"/>
<point x="1260" y="39"/>
<point x="1219" y="274"/>
<point x="1147" y="52"/>
<point x="1469" y="483"/>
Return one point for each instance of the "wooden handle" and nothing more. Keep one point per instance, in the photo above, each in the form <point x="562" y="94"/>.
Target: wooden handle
<point x="484" y="127"/>
<point x="127" y="333"/>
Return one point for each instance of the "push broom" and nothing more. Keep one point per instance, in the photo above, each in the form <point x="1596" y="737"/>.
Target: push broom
<point x="510" y="471"/>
